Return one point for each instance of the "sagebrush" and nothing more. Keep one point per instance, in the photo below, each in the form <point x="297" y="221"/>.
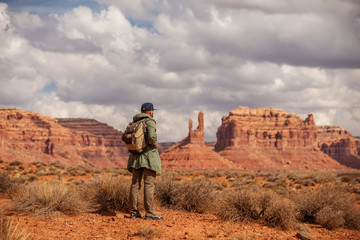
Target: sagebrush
<point x="108" y="193"/>
<point x="330" y="206"/>
<point x="5" y="182"/>
<point x="193" y="196"/>
<point x="251" y="204"/>
<point x="48" y="199"/>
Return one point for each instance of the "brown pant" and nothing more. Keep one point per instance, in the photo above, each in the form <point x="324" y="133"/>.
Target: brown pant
<point x="149" y="187"/>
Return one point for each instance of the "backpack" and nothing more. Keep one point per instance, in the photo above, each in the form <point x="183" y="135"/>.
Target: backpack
<point x="135" y="136"/>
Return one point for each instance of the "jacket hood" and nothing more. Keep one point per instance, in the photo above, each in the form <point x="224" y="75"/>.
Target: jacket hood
<point x="141" y="116"/>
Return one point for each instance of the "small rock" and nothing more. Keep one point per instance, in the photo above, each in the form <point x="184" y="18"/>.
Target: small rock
<point x="304" y="236"/>
<point x="118" y="215"/>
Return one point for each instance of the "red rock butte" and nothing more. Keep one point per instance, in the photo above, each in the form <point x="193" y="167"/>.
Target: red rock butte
<point x="192" y="153"/>
<point x="271" y="139"/>
<point x="340" y="145"/>
<point x="29" y="137"/>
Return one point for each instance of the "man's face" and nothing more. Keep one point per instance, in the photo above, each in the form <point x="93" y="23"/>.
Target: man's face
<point x="151" y="113"/>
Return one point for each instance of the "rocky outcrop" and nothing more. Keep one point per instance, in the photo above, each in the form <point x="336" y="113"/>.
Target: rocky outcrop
<point x="192" y="153"/>
<point x="28" y="136"/>
<point x="339" y="145"/>
<point x="271" y="139"/>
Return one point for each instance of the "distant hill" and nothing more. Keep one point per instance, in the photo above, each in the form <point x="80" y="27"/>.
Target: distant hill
<point x="29" y="137"/>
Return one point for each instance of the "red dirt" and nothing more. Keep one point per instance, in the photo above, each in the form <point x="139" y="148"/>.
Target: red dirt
<point x="176" y="225"/>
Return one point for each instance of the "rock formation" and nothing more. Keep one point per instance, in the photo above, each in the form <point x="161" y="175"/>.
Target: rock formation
<point x="28" y="137"/>
<point x="192" y="153"/>
<point x="339" y="144"/>
<point x="270" y="139"/>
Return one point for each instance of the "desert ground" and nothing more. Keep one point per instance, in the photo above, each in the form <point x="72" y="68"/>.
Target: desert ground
<point x="40" y="201"/>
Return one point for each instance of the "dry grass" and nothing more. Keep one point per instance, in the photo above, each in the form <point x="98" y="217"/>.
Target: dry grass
<point x="147" y="232"/>
<point x="196" y="196"/>
<point x="193" y="196"/>
<point x="5" y="182"/>
<point x="166" y="190"/>
<point x="330" y="206"/>
<point x="264" y="205"/>
<point x="47" y="199"/>
<point x="108" y="193"/>
<point x="9" y="230"/>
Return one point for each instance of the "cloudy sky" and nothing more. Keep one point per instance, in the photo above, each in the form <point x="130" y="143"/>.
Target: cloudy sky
<point x="102" y="59"/>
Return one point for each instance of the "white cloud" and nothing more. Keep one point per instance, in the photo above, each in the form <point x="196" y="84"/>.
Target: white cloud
<point x="185" y="57"/>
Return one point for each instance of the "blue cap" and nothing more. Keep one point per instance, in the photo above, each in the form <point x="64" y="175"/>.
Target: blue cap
<point x="147" y="107"/>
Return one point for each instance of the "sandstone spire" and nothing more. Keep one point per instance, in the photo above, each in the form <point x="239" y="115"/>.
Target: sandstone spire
<point x="191" y="152"/>
<point x="197" y="136"/>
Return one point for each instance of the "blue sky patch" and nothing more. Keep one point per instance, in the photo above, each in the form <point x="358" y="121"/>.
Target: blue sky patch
<point x="46" y="7"/>
<point x="51" y="87"/>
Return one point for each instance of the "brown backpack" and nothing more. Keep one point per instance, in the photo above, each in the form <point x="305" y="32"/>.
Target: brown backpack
<point x="135" y="136"/>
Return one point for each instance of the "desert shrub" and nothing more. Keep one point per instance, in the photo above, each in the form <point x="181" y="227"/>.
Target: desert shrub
<point x="192" y="196"/>
<point x="108" y="193"/>
<point x="9" y="168"/>
<point x="5" y="182"/>
<point x="48" y="199"/>
<point x="57" y="165"/>
<point x="9" y="230"/>
<point x="219" y="186"/>
<point x="249" y="204"/>
<point x="268" y="185"/>
<point x="236" y="184"/>
<point x="345" y="179"/>
<point x="31" y="178"/>
<point x="15" y="163"/>
<point x="166" y="190"/>
<point x="329" y="206"/>
<point x="195" y="196"/>
<point x="39" y="164"/>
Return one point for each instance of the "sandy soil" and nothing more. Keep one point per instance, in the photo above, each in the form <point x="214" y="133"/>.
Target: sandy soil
<point x="176" y="225"/>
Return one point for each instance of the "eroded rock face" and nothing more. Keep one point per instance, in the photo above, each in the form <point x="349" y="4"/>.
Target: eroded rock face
<point x="271" y="139"/>
<point x="340" y="145"/>
<point x="192" y="153"/>
<point x="27" y="137"/>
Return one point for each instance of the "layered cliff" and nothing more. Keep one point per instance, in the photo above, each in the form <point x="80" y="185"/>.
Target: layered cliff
<point x="339" y="144"/>
<point x="192" y="153"/>
<point x="28" y="136"/>
<point x="271" y="139"/>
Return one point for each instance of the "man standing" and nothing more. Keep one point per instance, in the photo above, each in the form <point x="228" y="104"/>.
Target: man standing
<point x="145" y="165"/>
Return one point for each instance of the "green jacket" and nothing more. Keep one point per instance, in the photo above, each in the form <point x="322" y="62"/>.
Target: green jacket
<point x="150" y="157"/>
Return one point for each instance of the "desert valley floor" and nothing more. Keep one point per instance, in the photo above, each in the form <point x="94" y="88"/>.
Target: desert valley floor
<point x="178" y="223"/>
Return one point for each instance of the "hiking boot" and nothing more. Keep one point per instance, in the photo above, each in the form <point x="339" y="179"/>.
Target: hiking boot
<point x="136" y="215"/>
<point x="155" y="217"/>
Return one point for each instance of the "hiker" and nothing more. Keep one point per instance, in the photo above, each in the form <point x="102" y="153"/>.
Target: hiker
<point x="144" y="165"/>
